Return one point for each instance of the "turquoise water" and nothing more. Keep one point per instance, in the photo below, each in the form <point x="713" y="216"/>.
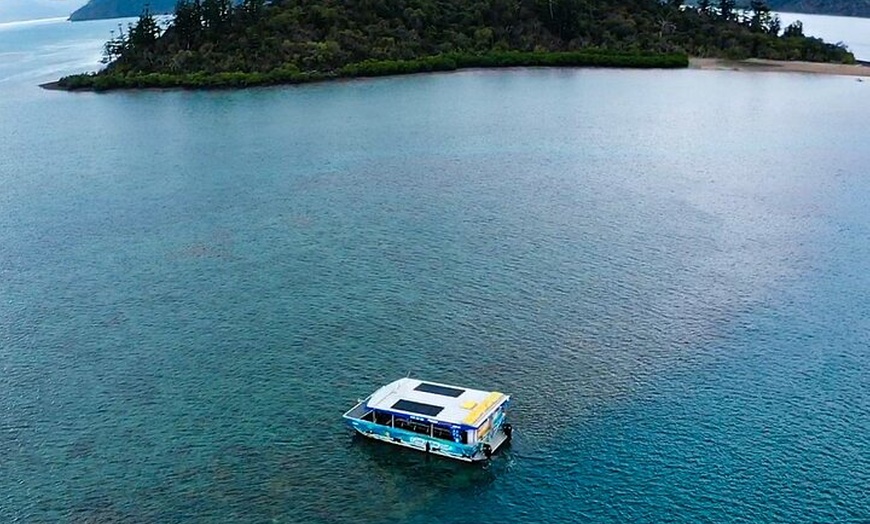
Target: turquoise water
<point x="667" y="270"/>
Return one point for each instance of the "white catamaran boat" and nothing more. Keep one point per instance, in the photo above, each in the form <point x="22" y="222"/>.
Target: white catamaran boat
<point x="460" y="423"/>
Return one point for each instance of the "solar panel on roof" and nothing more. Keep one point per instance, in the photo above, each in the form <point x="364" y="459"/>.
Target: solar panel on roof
<point x="444" y="391"/>
<point x="418" y="407"/>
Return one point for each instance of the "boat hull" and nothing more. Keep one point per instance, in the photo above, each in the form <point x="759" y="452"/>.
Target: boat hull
<point x="433" y="446"/>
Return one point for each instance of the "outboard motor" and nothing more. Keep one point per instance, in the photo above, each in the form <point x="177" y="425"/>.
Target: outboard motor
<point x="487" y="450"/>
<point x="508" y="430"/>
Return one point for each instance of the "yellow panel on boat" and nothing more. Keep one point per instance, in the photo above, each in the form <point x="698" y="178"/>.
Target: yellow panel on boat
<point x="468" y="404"/>
<point x="481" y="408"/>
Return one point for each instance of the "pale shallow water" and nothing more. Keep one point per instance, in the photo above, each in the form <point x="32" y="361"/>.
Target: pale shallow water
<point x="668" y="270"/>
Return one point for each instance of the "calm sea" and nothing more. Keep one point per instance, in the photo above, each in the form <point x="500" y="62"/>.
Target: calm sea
<point x="669" y="271"/>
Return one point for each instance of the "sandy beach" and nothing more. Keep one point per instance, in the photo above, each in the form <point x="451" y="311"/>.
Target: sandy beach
<point x="755" y="64"/>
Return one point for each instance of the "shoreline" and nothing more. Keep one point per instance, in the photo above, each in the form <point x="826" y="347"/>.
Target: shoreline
<point x="290" y="74"/>
<point x="860" y="69"/>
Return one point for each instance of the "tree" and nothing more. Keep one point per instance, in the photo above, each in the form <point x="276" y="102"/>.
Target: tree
<point x="760" y="21"/>
<point x="136" y="48"/>
<point x="114" y="48"/>
<point x="726" y="9"/>
<point x="774" y="26"/>
<point x="563" y="17"/>
<point x="144" y="34"/>
<point x="216" y="14"/>
<point x="794" y="30"/>
<point x="187" y="23"/>
<point x="252" y="9"/>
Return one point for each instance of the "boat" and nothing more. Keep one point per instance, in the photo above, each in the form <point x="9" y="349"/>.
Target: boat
<point x="460" y="423"/>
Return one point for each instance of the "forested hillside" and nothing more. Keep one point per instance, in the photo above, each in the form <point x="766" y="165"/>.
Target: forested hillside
<point x="213" y="42"/>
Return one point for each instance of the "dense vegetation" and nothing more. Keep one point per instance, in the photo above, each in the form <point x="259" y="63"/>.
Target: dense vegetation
<point x="212" y="43"/>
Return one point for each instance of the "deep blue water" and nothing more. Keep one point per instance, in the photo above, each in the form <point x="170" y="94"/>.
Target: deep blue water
<point x="668" y="271"/>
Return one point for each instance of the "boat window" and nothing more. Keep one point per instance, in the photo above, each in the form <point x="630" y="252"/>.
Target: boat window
<point x="417" y="407"/>
<point x="442" y="433"/>
<point x="410" y="425"/>
<point x="444" y="391"/>
<point x="382" y="418"/>
<point x="370" y="416"/>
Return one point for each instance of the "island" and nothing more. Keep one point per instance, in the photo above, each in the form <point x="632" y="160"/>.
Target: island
<point x="220" y="44"/>
<point x="859" y="8"/>
<point x="100" y="9"/>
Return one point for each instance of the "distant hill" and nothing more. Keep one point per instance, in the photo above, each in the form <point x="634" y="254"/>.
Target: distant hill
<point x="96" y="9"/>
<point x="16" y="10"/>
<point x="823" y="7"/>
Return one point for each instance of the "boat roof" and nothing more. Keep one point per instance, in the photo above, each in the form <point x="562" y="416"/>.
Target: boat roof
<point x="436" y="402"/>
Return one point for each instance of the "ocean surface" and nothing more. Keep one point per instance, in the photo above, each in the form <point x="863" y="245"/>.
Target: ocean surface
<point x="669" y="271"/>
